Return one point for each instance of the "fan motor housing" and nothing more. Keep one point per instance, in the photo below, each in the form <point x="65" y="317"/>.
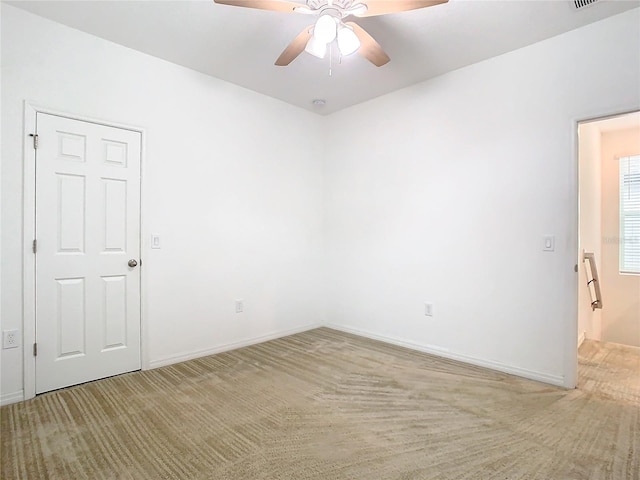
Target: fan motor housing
<point x="336" y="4"/>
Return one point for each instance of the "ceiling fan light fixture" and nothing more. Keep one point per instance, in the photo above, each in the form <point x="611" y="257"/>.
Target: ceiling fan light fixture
<point x="348" y="42"/>
<point x="316" y="48"/>
<point x="325" y="29"/>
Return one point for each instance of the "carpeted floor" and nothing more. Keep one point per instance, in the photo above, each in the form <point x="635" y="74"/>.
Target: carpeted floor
<point x="325" y="405"/>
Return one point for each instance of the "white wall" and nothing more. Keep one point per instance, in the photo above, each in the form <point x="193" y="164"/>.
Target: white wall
<point x="590" y="193"/>
<point x="443" y="191"/>
<point x="440" y="192"/>
<point x="620" y="292"/>
<point x="232" y="183"/>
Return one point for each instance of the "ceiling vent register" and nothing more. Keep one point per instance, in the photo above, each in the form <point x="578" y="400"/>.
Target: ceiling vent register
<point x="583" y="3"/>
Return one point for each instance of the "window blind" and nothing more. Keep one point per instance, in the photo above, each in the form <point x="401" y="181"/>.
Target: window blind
<point x="630" y="214"/>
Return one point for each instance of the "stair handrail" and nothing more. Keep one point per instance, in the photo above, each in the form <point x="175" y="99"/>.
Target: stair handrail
<point x="593" y="282"/>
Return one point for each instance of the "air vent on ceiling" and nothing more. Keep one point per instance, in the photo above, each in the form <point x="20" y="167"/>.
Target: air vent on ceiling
<point x="582" y="3"/>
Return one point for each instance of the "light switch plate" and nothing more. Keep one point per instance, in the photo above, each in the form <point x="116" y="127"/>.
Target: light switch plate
<point x="428" y="309"/>
<point x="549" y="243"/>
<point x="155" y="241"/>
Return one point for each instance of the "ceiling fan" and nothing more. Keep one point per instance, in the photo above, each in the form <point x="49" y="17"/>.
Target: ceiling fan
<point x="330" y="25"/>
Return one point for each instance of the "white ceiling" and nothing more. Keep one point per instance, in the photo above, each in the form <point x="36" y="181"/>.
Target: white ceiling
<point x="239" y="45"/>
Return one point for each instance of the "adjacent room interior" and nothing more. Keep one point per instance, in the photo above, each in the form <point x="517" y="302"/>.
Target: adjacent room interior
<point x="609" y="166"/>
<point x="355" y="263"/>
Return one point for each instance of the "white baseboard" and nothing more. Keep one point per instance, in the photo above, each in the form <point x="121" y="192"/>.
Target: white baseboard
<point x="581" y="338"/>
<point x="183" y="357"/>
<point x="557" y="380"/>
<point x="7" y="398"/>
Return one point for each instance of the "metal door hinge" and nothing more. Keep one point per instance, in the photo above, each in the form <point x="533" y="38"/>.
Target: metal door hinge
<point x="35" y="246"/>
<point x="35" y="349"/>
<point x="35" y="140"/>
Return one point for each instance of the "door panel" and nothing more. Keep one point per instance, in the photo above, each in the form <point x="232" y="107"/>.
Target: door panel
<point x="87" y="227"/>
<point x="114" y="311"/>
<point x="71" y="317"/>
<point x="115" y="215"/>
<point x="70" y="206"/>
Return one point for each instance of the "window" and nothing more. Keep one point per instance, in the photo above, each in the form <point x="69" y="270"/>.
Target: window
<point x="630" y="214"/>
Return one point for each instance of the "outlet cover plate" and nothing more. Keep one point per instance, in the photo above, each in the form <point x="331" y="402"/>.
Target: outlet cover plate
<point x="10" y="339"/>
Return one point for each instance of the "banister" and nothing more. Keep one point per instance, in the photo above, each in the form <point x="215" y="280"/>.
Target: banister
<point x="594" y="282"/>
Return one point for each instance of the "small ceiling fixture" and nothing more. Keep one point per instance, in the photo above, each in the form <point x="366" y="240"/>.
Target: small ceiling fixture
<point x="319" y="102"/>
<point x="330" y="26"/>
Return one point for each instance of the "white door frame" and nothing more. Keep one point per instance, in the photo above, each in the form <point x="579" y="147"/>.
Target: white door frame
<point x="571" y="325"/>
<point x="31" y="109"/>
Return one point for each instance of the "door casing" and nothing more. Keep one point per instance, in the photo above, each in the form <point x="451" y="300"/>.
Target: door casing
<point x="28" y="235"/>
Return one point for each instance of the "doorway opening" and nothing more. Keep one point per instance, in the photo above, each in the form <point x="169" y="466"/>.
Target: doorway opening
<point x="609" y="250"/>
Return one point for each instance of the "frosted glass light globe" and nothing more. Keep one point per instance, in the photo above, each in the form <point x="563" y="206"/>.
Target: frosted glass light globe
<point x="348" y="42"/>
<point x="316" y="48"/>
<point x="325" y="29"/>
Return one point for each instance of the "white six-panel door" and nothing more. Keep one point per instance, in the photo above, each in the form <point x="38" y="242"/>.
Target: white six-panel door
<point x="87" y="230"/>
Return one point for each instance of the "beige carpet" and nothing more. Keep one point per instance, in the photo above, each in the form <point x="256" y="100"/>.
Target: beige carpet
<point x="324" y="405"/>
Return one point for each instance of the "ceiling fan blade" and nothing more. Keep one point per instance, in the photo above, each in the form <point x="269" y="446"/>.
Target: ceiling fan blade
<point x="274" y="5"/>
<point x="295" y="48"/>
<point x="369" y="48"/>
<point x="382" y="7"/>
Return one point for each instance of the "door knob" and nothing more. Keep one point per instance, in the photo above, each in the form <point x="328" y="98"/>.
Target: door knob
<point x="133" y="263"/>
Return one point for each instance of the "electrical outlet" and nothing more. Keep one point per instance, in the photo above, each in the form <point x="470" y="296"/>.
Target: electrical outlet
<point x="428" y="309"/>
<point x="239" y="306"/>
<point x="10" y="339"/>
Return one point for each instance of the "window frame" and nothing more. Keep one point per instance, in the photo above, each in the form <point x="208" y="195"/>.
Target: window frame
<point x="623" y="213"/>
